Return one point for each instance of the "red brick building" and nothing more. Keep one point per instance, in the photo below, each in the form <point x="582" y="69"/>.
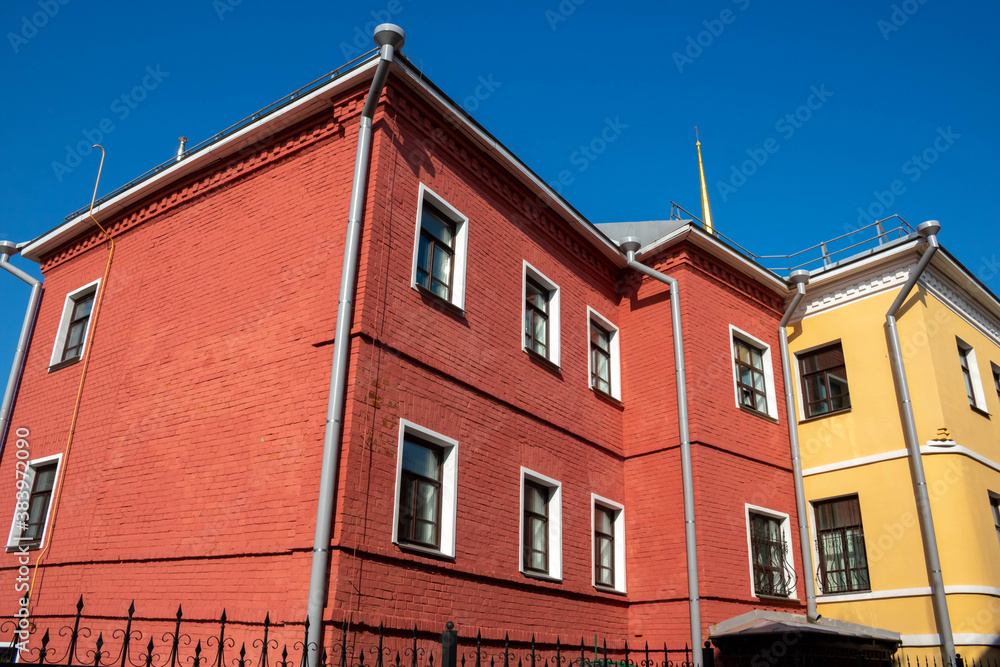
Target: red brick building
<point x="512" y="479"/>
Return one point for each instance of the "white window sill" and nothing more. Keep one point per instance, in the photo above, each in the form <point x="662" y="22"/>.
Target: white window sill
<point x="437" y="299"/>
<point x="541" y="576"/>
<point x="424" y="551"/>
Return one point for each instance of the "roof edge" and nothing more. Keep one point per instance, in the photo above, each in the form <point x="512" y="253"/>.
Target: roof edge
<point x="303" y="108"/>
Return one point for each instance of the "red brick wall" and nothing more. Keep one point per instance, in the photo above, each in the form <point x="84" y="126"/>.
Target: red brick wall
<point x="738" y="457"/>
<point x="194" y="470"/>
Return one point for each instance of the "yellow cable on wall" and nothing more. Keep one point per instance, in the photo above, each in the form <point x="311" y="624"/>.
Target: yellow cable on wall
<point x="92" y="330"/>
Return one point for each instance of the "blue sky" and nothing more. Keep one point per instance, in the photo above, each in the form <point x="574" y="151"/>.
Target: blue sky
<point x="813" y="115"/>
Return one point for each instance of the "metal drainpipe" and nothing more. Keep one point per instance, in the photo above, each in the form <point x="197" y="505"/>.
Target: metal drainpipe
<point x="7" y="249"/>
<point x="929" y="231"/>
<point x="630" y="245"/>
<point x="799" y="279"/>
<point x="388" y="37"/>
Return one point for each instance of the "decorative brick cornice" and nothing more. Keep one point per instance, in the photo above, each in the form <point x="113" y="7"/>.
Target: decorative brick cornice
<point x="251" y="158"/>
<point x="734" y="279"/>
<point x="532" y="209"/>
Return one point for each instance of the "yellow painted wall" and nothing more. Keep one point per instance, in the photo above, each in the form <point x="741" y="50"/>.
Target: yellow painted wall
<point x="968" y="427"/>
<point x="957" y="484"/>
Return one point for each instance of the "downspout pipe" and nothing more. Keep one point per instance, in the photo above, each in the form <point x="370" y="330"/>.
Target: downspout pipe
<point x="7" y="249"/>
<point x="799" y="279"/>
<point x="630" y="245"/>
<point x="388" y="37"/>
<point x="929" y="231"/>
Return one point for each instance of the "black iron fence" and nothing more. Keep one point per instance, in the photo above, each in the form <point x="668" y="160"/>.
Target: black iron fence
<point x="180" y="642"/>
<point x="173" y="645"/>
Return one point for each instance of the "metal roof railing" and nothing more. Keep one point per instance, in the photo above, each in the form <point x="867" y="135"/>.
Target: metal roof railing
<point x="231" y="130"/>
<point x="823" y="255"/>
<point x="828" y="249"/>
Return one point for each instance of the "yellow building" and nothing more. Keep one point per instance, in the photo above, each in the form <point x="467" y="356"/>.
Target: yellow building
<point x="873" y="555"/>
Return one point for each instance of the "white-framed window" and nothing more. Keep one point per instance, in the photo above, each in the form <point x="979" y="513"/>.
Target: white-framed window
<point x="426" y="508"/>
<point x="540" y="314"/>
<point x="821" y="377"/>
<point x="541" y="526"/>
<point x="604" y="360"/>
<point x="9" y="652"/>
<point x="36" y="482"/>
<point x="74" y="325"/>
<point x="769" y="545"/>
<point x="608" y="543"/>
<point x="996" y="378"/>
<point x="839" y="548"/>
<point x="970" y="374"/>
<point x="995" y="511"/>
<point x="753" y="373"/>
<point x="440" y="249"/>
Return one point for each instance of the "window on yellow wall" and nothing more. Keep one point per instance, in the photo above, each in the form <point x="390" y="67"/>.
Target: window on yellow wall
<point x="996" y="379"/>
<point x="995" y="506"/>
<point x="824" y="381"/>
<point x="970" y="375"/>
<point x="840" y="540"/>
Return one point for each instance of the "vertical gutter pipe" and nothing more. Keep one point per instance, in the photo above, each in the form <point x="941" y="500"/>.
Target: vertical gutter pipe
<point x="799" y="279"/>
<point x="388" y="37"/>
<point x="929" y="231"/>
<point x="7" y="249"/>
<point x="630" y="245"/>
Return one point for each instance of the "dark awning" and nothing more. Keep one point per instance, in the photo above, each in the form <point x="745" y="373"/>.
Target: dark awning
<point x="759" y="624"/>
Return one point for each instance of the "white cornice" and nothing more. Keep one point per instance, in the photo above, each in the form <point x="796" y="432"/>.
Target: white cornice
<point x="851" y="287"/>
<point x="956" y="299"/>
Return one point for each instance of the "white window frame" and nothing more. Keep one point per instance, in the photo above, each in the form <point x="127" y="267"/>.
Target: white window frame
<point x="993" y="497"/>
<point x="13" y="537"/>
<point x="994" y="370"/>
<point x="67" y="315"/>
<point x="528" y="271"/>
<point x="616" y="371"/>
<point x="786" y="534"/>
<point x="977" y="382"/>
<point x="765" y="350"/>
<point x="449" y="487"/>
<point x="554" y="524"/>
<point x="460" y="257"/>
<point x="17" y="650"/>
<point x="619" y="527"/>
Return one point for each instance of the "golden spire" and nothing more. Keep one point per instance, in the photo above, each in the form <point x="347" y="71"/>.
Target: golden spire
<point x="706" y="212"/>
